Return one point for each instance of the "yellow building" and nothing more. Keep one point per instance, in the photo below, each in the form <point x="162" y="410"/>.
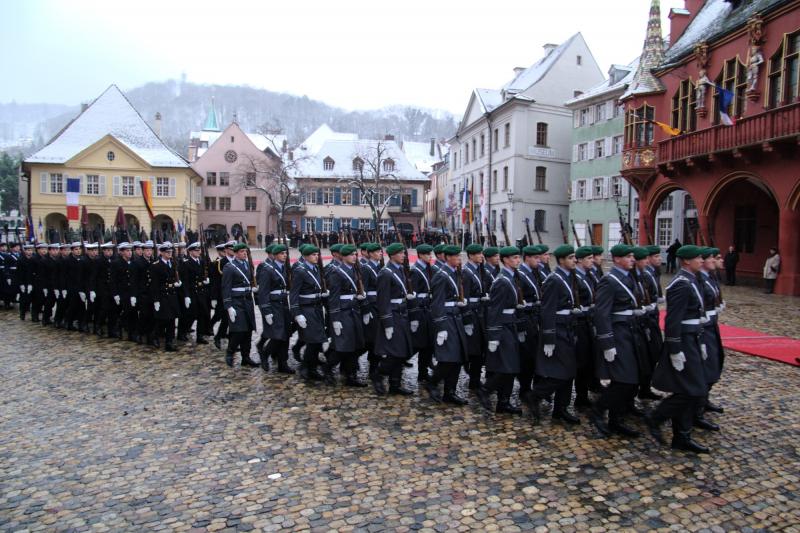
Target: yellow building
<point x="111" y="149"/>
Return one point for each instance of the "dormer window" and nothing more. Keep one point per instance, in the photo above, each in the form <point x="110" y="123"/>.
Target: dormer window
<point x="578" y="60"/>
<point x="328" y="163"/>
<point x="358" y="164"/>
<point x="388" y="165"/>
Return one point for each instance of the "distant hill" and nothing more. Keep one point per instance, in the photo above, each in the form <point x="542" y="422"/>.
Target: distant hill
<point x="183" y="107"/>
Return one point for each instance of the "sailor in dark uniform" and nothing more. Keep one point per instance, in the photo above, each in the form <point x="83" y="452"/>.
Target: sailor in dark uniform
<point x="448" y="307"/>
<point x="505" y="333"/>
<point x="476" y="293"/>
<point x="420" y="314"/>
<point x="50" y="283"/>
<point x="90" y="283"/>
<point x="273" y="302"/>
<point x="584" y="327"/>
<point x="164" y="288"/>
<point x="306" y="303"/>
<point x="220" y="314"/>
<point x="681" y="367"/>
<point x="195" y="277"/>
<point x="393" y="341"/>
<point x="125" y="291"/>
<point x="105" y="307"/>
<point x="39" y="281"/>
<point x="75" y="288"/>
<point x="60" y="282"/>
<point x="531" y="285"/>
<point x="5" y="282"/>
<point x="239" y="304"/>
<point x="614" y="322"/>
<point x="144" y="302"/>
<point x="24" y="281"/>
<point x="10" y="287"/>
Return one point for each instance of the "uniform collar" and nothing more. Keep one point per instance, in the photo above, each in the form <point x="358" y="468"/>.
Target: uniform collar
<point x="621" y="271"/>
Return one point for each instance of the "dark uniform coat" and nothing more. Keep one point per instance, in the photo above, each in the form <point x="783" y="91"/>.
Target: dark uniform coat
<point x="682" y="333"/>
<point x="369" y="277"/>
<point x="421" y="278"/>
<point x="655" y="342"/>
<point x="503" y="324"/>
<point x="475" y="292"/>
<point x="393" y="313"/>
<point x="558" y="316"/>
<point x="273" y="299"/>
<point x="711" y="336"/>
<point x="345" y="307"/>
<point x="163" y="278"/>
<point x="531" y="287"/>
<point x="237" y="293"/>
<point x="448" y="316"/>
<point x="305" y="298"/>
<point x="193" y="277"/>
<point x="615" y="326"/>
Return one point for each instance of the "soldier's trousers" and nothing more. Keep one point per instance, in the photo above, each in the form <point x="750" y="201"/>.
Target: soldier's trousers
<point x="616" y="398"/>
<point x="47" y="308"/>
<point x="146" y="320"/>
<point x="544" y="387"/>
<point x="527" y="362"/>
<point x="129" y="318"/>
<point x="61" y="310"/>
<point x="278" y="350"/>
<point x="240" y="341"/>
<point x="347" y="360"/>
<point x="165" y="327"/>
<point x="76" y="310"/>
<point x="222" y="329"/>
<point x="584" y="351"/>
<point x="474" y="369"/>
<point x="24" y="304"/>
<point x="447" y="372"/>
<point x="37" y="302"/>
<point x="503" y="384"/>
<point x="393" y="368"/>
<point x="311" y="356"/>
<point x="106" y="314"/>
<point x="424" y="362"/>
<point x="681" y="408"/>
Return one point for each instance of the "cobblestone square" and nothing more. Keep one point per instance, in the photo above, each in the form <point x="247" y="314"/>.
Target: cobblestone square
<point x="106" y="435"/>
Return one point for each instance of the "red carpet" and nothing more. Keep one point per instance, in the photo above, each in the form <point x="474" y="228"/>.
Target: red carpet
<point x="782" y="349"/>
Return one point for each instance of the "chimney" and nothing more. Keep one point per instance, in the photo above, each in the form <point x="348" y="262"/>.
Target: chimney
<point x="284" y="146"/>
<point x="388" y="137"/>
<point x="549" y="47"/>
<point x="678" y="20"/>
<point x="192" y="151"/>
<point x="291" y="155"/>
<point x="518" y="70"/>
<point x="157" y="125"/>
<point x="433" y="146"/>
<point x="84" y="107"/>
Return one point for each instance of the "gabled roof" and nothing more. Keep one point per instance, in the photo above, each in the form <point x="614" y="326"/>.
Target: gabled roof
<point x="530" y="76"/>
<point x="322" y="134"/>
<point x="607" y="87"/>
<point x="263" y="142"/>
<point x="489" y="99"/>
<point x="419" y="154"/>
<point x="110" y="114"/>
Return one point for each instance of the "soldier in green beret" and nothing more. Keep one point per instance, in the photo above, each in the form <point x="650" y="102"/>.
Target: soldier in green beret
<point x="649" y="329"/>
<point x="476" y="293"/>
<point x="713" y="354"/>
<point x="438" y="252"/>
<point x="273" y="302"/>
<point x="584" y="330"/>
<point x="597" y="268"/>
<point x="306" y="305"/>
<point x="680" y="370"/>
<point x="420" y="314"/>
<point x="369" y="308"/>
<point x="491" y="255"/>
<point x="531" y="284"/>
<point x="544" y="260"/>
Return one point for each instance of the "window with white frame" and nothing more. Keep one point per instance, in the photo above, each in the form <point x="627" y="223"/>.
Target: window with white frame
<point x="474" y="149"/>
<point x="327" y="195"/>
<point x="541" y="133"/>
<point x="358" y="164"/>
<point x="346" y="223"/>
<point x="346" y="196"/>
<point x="616" y="145"/>
<point x="599" y="148"/>
<point x="250" y="203"/>
<point x="309" y="225"/>
<point x="539" y="220"/>
<point x="507" y="135"/>
<point x="162" y="187"/>
<point x="583" y="151"/>
<point x="597" y="188"/>
<point x="616" y="186"/>
<point x="129" y="186"/>
<point x="327" y="224"/>
<point x="540" y="183"/>
<point x="583" y="118"/>
<point x="225" y="203"/>
<point x="56" y="183"/>
<point x="664" y="230"/>
<point x="250" y="179"/>
<point x="211" y="178"/>
<point x="483" y="144"/>
<point x="211" y="203"/>
<point x="666" y="205"/>
<point x="635" y="230"/>
<point x="93" y="184"/>
<point x="311" y="196"/>
<point x="388" y="165"/>
<point x="383" y="225"/>
<point x="328" y="163"/>
<point x="600" y="112"/>
<point x="505" y="178"/>
<point x="224" y="179"/>
<point x="618" y="110"/>
<point x="364" y="223"/>
<point x="580" y="189"/>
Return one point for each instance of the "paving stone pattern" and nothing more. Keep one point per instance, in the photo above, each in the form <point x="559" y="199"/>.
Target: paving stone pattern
<point x="100" y="435"/>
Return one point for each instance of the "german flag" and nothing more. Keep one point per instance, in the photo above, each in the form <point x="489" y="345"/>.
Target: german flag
<point x="147" y="194"/>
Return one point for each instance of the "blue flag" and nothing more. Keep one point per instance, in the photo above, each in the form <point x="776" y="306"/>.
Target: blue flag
<point x="725" y="100"/>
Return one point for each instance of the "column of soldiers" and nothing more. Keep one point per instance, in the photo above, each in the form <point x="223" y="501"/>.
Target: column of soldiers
<point x="504" y="317"/>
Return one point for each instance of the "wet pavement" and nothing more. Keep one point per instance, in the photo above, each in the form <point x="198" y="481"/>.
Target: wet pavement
<point x="105" y="435"/>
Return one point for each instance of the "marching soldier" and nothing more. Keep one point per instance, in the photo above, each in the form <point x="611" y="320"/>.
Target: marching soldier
<point x="144" y="300"/>
<point x="531" y="286"/>
<point x="90" y="282"/>
<point x="476" y="292"/>
<point x="106" y="308"/>
<point x="273" y="302"/>
<point x="25" y="275"/>
<point x="393" y="342"/>
<point x="504" y="330"/>
<point x="709" y="406"/>
<point x="39" y="281"/>
<point x="60" y="284"/>
<point x="195" y="285"/>
<point x="124" y="289"/>
<point x="438" y="253"/>
<point x="597" y="267"/>
<point x="305" y="303"/>
<point x="584" y="329"/>
<point x="544" y="261"/>
<point x="238" y="301"/>
<point x="614" y="323"/>
<point x="49" y="277"/>
<point x="491" y="256"/>
<point x="75" y="289"/>
<point x="11" y="265"/>
<point x="556" y="363"/>
<point x="681" y="369"/>
<point x="221" y="315"/>
<point x="261" y="345"/>
<point x="649" y="323"/>
<point x="347" y="339"/>
<point x="164" y="285"/>
<point x="711" y="343"/>
<point x="421" y="332"/>
<point x="369" y="308"/>
<point x="448" y="308"/>
<point x="4" y="280"/>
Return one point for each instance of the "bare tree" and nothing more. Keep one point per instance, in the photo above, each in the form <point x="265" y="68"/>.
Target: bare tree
<point x="373" y="175"/>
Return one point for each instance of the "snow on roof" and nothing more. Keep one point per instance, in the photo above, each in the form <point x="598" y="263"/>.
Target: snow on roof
<point x="531" y="75"/>
<point x="110" y="114"/>
<point x="272" y="142"/>
<point x="419" y="154"/>
<point x="322" y="134"/>
<point x="490" y="99"/>
<point x="607" y="86"/>
<point x="342" y="152"/>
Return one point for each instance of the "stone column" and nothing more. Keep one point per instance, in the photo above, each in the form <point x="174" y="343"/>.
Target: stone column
<point x="789" y="247"/>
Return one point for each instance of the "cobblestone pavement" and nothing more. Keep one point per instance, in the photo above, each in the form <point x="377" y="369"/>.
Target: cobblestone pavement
<point x="107" y="436"/>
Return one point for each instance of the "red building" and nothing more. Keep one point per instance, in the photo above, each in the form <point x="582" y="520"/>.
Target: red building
<point x="744" y="178"/>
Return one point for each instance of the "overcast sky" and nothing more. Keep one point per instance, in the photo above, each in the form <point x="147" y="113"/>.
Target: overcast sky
<point x="349" y="53"/>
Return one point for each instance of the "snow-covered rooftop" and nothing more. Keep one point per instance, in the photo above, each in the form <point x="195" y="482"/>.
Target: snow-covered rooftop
<point x="419" y="154"/>
<point x="110" y="114"/>
<point x="608" y="86"/>
<point x="489" y="99"/>
<point x="272" y="141"/>
<point x="323" y="134"/>
<point x="531" y="75"/>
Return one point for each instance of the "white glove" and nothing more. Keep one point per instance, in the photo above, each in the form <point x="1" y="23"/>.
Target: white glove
<point x="388" y="332"/>
<point x="722" y="306"/>
<point x="325" y="294"/>
<point x="206" y="281"/>
<point x="469" y="329"/>
<point x="361" y="296"/>
<point x="268" y="318"/>
<point x="605" y="382"/>
<point x="493" y="345"/>
<point x="337" y="328"/>
<point x="178" y="283"/>
<point x="45" y="292"/>
<point x="677" y="360"/>
<point x="638" y="312"/>
<point x="8" y="281"/>
<point x="116" y="300"/>
<point x="92" y="296"/>
<point x="461" y="303"/>
<point x="576" y="311"/>
<point x="521" y="336"/>
<point x="187" y="302"/>
<point x="661" y="300"/>
<point x="441" y="337"/>
<point x="133" y="301"/>
<point x="83" y="296"/>
<point x="704" y="351"/>
<point x="520" y="306"/>
<point x="610" y="354"/>
<point x="232" y="314"/>
<point x="484" y="298"/>
<point x="64" y="293"/>
<point x="301" y="321"/>
<point x="17" y="298"/>
<point x="255" y="290"/>
<point x="213" y="304"/>
<point x="156" y="306"/>
<point x="30" y="289"/>
<point x="411" y="296"/>
<point x="22" y="289"/>
<point x="365" y="318"/>
<point x="414" y="326"/>
<point x="549" y="350"/>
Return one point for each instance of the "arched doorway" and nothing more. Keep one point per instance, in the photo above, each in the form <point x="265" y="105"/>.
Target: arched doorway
<point x="673" y="221"/>
<point x="164" y="228"/>
<point x="215" y="233"/>
<point x="56" y="227"/>
<point x="96" y="227"/>
<point x="236" y="231"/>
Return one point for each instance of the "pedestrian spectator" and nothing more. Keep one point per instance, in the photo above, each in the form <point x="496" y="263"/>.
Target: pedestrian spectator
<point x="673" y="248"/>
<point x="260" y="239"/>
<point x="771" y="268"/>
<point x="730" y="261"/>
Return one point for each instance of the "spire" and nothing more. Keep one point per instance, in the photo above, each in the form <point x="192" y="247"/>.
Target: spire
<point x="211" y="124"/>
<point x="644" y="82"/>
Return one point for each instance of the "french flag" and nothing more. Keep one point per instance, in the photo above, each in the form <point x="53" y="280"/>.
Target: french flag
<point x="725" y="100"/>
<point x="73" y="198"/>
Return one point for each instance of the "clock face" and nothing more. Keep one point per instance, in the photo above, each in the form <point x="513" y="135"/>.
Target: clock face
<point x="230" y="156"/>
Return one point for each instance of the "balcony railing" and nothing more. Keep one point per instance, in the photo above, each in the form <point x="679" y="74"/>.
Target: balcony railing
<point x="405" y="209"/>
<point x="771" y="125"/>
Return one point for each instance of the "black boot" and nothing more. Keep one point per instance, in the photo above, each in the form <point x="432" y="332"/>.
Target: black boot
<point x="452" y="398"/>
<point x="484" y="397"/>
<point x="714" y="408"/>
<point x="683" y="441"/>
<point x="218" y="343"/>
<point x="397" y="390"/>
<point x="283" y="368"/>
<point x="229" y="358"/>
<point x="433" y="391"/>
<point x="617" y="426"/>
<point x="704" y="423"/>
<point x="654" y="427"/>
<point x="201" y="340"/>
<point x="534" y="405"/>
<point x="353" y="381"/>
<point x="170" y="347"/>
<point x="377" y="384"/>
<point x="596" y="418"/>
<point x="507" y="407"/>
<point x="566" y="417"/>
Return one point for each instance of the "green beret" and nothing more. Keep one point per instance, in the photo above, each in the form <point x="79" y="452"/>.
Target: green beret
<point x="451" y="249"/>
<point x="563" y="251"/>
<point x="277" y="248"/>
<point x="239" y="246"/>
<point x="597" y="250"/>
<point x="654" y="249"/>
<point x="640" y="252"/>
<point x="706" y="252"/>
<point x="395" y="248"/>
<point x="424" y="249"/>
<point x="268" y="248"/>
<point x="363" y="246"/>
<point x="439" y="248"/>
<point x="309" y="249"/>
<point x="584" y="251"/>
<point x="491" y="251"/>
<point x="346" y="249"/>
<point x="689" y="251"/>
<point x="372" y="247"/>
<point x="335" y="248"/>
<point x="621" y="250"/>
<point x="474" y="249"/>
<point x="302" y="247"/>
<point x="508" y="251"/>
<point x="714" y="251"/>
<point x="544" y="248"/>
<point x="531" y="250"/>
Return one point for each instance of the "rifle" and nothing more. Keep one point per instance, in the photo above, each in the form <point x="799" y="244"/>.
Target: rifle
<point x="460" y="278"/>
<point x="249" y="261"/>
<point x="357" y="270"/>
<point x="563" y="231"/>
<point x="406" y="268"/>
<point x="626" y="238"/>
<point x="647" y="231"/>
<point x="591" y="237"/>
<point x="505" y="232"/>
<point x="575" y="232"/>
<point x="528" y="231"/>
<point x="206" y="258"/>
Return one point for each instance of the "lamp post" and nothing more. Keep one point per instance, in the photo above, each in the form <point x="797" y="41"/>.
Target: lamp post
<point x="510" y="195"/>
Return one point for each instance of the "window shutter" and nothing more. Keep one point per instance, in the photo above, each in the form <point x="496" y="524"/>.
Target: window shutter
<point x="337" y="223"/>
<point x="198" y="193"/>
<point x="575" y="153"/>
<point x="354" y="223"/>
<point x="623" y="186"/>
<point x="574" y="193"/>
<point x="81" y="185"/>
<point x="590" y="119"/>
<point x="606" y="183"/>
<point x="172" y="188"/>
<point x="101" y="185"/>
<point x="590" y="149"/>
<point x="302" y="224"/>
<point x="356" y="196"/>
<point x="43" y="182"/>
<point x="610" y="109"/>
<point x="576" y="118"/>
<point x="319" y="197"/>
<point x="136" y="187"/>
<point x="608" y="143"/>
<point x="116" y="186"/>
<point x="414" y="197"/>
<point x="337" y="196"/>
<point x="318" y="224"/>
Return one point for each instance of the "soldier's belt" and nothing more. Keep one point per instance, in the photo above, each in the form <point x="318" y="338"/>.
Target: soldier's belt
<point x="278" y="291"/>
<point x="626" y="312"/>
<point x="311" y="296"/>
<point x="473" y="300"/>
<point x="240" y="289"/>
<point x="562" y="312"/>
<point x="691" y="322"/>
<point x="509" y="311"/>
<point x="372" y="293"/>
<point x="347" y="296"/>
<point x="585" y="308"/>
<point x="401" y="300"/>
<point x="450" y="304"/>
<point x="532" y="304"/>
<point x="422" y="295"/>
<point x="711" y="313"/>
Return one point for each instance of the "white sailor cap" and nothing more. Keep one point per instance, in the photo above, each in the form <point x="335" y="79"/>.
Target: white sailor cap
<point x="27" y="246"/>
<point x="220" y="246"/>
<point x="180" y="244"/>
<point x="54" y="246"/>
<point x="75" y="244"/>
<point x="91" y="245"/>
<point x="124" y="246"/>
<point x="193" y="246"/>
<point x="165" y="247"/>
<point x="66" y="246"/>
<point x="230" y="244"/>
<point x="148" y="244"/>
<point x="137" y="244"/>
<point x="107" y="246"/>
<point x="41" y="245"/>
